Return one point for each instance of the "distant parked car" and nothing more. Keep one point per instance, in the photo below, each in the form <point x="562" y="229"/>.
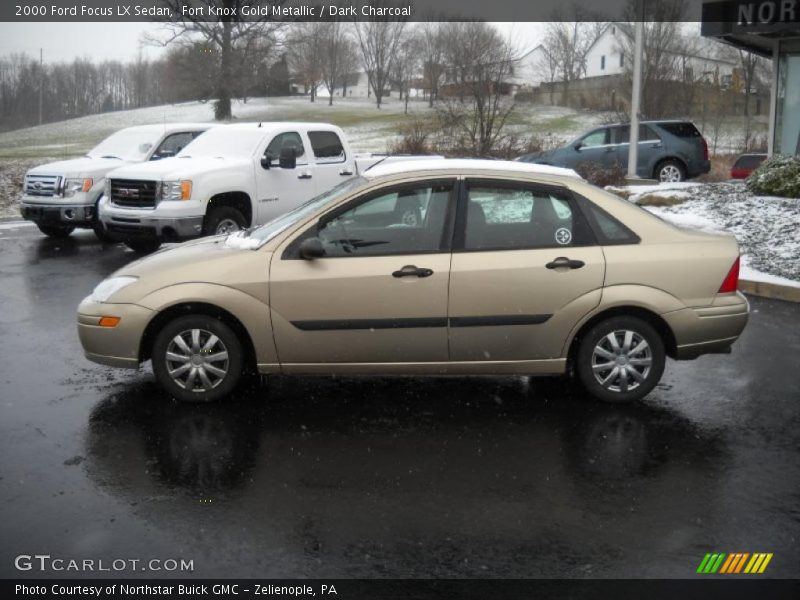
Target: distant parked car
<point x="746" y="164"/>
<point x="63" y="195"/>
<point x="668" y="150"/>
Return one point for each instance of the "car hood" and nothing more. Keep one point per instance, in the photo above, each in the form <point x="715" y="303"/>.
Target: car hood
<point x="206" y="260"/>
<point x="174" y="168"/>
<point x="79" y="167"/>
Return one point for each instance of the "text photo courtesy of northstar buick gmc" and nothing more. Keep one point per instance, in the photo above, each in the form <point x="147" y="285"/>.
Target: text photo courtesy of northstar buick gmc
<point x="505" y="268"/>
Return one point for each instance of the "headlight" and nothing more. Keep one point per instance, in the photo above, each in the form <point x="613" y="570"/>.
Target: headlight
<point x="108" y="287"/>
<point x="176" y="190"/>
<point x="74" y="185"/>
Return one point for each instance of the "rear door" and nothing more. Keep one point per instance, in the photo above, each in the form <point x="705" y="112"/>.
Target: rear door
<point x="331" y="162"/>
<point x="525" y="269"/>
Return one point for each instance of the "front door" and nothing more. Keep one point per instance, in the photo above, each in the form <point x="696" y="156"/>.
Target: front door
<point x="379" y="295"/>
<point x="525" y="269"/>
<point x="280" y="190"/>
<point x="595" y="148"/>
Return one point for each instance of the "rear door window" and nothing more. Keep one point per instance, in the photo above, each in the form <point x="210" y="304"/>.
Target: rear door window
<point x="681" y="130"/>
<point x="327" y="147"/>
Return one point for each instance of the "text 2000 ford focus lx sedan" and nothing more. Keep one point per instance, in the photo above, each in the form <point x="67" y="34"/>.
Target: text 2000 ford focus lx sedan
<point x="445" y="267"/>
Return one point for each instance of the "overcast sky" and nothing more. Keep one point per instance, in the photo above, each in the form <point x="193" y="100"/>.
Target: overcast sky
<point x="122" y="41"/>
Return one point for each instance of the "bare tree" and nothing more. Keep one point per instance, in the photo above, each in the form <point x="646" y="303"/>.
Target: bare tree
<point x="338" y="51"/>
<point x="405" y="65"/>
<point x="307" y="43"/>
<point x="226" y="32"/>
<point x="430" y="46"/>
<point x="379" y="42"/>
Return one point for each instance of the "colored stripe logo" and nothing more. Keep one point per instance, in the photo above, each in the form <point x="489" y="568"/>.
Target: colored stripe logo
<point x="734" y="563"/>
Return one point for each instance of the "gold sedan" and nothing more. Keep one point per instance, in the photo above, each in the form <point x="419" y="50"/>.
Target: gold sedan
<point x="438" y="267"/>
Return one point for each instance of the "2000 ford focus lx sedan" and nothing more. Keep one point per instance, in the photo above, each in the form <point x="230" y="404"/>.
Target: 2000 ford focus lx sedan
<point x="503" y="268"/>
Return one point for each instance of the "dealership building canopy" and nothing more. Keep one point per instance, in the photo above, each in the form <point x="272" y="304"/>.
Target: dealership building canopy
<point x="770" y="28"/>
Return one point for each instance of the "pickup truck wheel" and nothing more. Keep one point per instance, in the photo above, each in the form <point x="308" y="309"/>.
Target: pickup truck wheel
<point x="100" y="232"/>
<point x="55" y="231"/>
<point x="198" y="358"/>
<point x="620" y="359"/>
<point x="143" y="246"/>
<point x="224" y="220"/>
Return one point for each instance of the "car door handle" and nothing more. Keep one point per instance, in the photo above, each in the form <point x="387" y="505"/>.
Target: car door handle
<point x="345" y="172"/>
<point x="563" y="261"/>
<point x="412" y="271"/>
<point x="304" y="175"/>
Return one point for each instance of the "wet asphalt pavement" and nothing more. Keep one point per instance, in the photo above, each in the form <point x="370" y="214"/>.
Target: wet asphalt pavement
<point x="400" y="477"/>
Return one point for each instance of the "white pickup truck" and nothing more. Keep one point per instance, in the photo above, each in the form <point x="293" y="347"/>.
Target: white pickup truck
<point x="230" y="178"/>
<point x="62" y="196"/>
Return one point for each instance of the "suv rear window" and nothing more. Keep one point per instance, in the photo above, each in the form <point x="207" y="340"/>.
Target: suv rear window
<point x="682" y="130"/>
<point x="327" y="146"/>
<point x="749" y="161"/>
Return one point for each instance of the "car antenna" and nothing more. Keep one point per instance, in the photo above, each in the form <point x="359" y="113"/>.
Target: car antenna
<point x="377" y="163"/>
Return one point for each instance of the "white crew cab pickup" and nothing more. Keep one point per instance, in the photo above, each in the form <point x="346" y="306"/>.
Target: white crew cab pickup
<point x="230" y="178"/>
<point x="63" y="195"/>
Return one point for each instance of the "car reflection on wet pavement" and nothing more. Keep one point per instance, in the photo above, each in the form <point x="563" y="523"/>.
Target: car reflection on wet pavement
<point x="387" y="477"/>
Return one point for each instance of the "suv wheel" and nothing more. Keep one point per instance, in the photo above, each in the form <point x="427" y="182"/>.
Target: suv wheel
<point x="198" y="358"/>
<point x="670" y="171"/>
<point x="143" y="245"/>
<point x="224" y="220"/>
<point x="55" y="231"/>
<point x="620" y="359"/>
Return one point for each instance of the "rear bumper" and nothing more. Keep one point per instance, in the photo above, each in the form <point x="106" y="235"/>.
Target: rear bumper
<point x="77" y="215"/>
<point x="699" y="168"/>
<point x="708" y="330"/>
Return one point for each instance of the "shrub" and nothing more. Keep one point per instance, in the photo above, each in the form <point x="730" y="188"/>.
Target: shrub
<point x="777" y="176"/>
<point x="414" y="138"/>
<point x="601" y="176"/>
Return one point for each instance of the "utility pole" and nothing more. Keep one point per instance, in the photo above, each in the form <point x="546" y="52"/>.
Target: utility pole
<point x="636" y="94"/>
<point x="41" y="82"/>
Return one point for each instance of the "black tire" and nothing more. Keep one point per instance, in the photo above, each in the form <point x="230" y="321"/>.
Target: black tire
<point x="670" y="171"/>
<point x="614" y="390"/>
<point x="100" y="232"/>
<point x="143" y="245"/>
<point x="55" y="231"/>
<point x="228" y="342"/>
<point x="221" y="216"/>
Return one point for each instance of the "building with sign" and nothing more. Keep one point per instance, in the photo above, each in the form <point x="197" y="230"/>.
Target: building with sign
<point x="770" y="28"/>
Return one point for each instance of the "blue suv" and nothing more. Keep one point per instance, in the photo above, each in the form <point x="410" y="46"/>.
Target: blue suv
<point x="668" y="150"/>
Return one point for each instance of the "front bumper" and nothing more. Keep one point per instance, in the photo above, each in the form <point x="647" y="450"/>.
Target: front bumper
<point x="708" y="330"/>
<point x="78" y="215"/>
<point x="112" y="346"/>
<point x="126" y="224"/>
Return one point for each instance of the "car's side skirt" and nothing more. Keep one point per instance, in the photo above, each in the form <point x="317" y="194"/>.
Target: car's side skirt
<point x="551" y="366"/>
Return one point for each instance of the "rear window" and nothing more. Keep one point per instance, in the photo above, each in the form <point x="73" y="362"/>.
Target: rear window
<point x="327" y="146"/>
<point x="681" y="130"/>
<point x="749" y="161"/>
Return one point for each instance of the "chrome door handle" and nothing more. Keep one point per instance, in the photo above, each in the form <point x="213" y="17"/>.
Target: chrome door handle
<point x="413" y="271"/>
<point x="345" y="172"/>
<point x="304" y="175"/>
<point x="564" y="262"/>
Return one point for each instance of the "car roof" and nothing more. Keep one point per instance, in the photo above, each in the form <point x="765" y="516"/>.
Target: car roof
<point x="455" y="166"/>
<point x="170" y="127"/>
<point x="269" y="125"/>
<point x="649" y="122"/>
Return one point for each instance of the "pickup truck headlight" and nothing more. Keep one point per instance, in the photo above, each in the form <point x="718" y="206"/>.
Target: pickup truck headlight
<point x="108" y="287"/>
<point x="73" y="185"/>
<point x="176" y="190"/>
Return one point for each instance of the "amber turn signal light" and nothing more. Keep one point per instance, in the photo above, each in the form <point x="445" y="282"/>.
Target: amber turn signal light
<point x="108" y="321"/>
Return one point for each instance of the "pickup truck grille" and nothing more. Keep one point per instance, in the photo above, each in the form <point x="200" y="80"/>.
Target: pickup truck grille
<point x="133" y="193"/>
<point x="42" y="185"/>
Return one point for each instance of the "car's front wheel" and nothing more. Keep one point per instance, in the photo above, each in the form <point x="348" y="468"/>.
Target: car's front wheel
<point x="620" y="359"/>
<point x="143" y="245"/>
<point x="198" y="358"/>
<point x="224" y="220"/>
<point x="55" y="231"/>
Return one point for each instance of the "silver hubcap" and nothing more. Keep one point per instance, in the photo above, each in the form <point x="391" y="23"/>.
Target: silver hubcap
<point x="197" y="360"/>
<point x="670" y="173"/>
<point x="621" y="361"/>
<point x="227" y="226"/>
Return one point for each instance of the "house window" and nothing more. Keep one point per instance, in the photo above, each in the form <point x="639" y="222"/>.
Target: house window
<point x="621" y="59"/>
<point x="602" y="63"/>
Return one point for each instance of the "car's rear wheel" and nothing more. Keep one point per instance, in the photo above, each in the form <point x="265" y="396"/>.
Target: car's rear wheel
<point x="670" y="171"/>
<point x="224" y="220"/>
<point x="198" y="358"/>
<point x="620" y="359"/>
<point x="144" y="245"/>
<point x="55" y="231"/>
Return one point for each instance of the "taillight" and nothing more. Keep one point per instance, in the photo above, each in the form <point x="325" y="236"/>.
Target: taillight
<point x="731" y="282"/>
<point x="705" y="147"/>
<point x="739" y="173"/>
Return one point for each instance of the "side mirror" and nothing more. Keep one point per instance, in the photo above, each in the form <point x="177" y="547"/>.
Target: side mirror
<point x="578" y="146"/>
<point x="265" y="162"/>
<point x="311" y="248"/>
<point x="288" y="158"/>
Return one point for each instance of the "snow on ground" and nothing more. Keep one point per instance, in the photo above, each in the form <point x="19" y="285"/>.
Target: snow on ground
<point x="12" y="172"/>
<point x="767" y="228"/>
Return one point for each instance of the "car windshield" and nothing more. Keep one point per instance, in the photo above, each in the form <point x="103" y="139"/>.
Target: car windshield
<point x="224" y="142"/>
<point x="269" y="230"/>
<point x="128" y="144"/>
